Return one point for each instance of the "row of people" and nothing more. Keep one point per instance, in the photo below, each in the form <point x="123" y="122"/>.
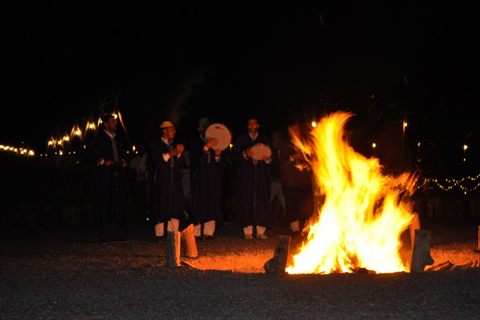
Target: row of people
<point x="253" y="177"/>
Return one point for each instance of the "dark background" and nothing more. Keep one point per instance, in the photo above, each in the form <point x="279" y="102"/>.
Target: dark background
<point x="180" y="61"/>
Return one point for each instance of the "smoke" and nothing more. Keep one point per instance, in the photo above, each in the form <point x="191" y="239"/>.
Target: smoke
<point x="177" y="108"/>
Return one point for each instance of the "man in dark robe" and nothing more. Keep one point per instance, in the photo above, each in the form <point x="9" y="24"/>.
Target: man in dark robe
<point x="107" y="154"/>
<point x="296" y="179"/>
<point x="168" y="160"/>
<point x="253" y="182"/>
<point x="206" y="179"/>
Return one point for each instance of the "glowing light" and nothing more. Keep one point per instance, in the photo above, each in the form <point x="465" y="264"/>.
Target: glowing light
<point x="465" y="147"/>
<point x="374" y="145"/>
<point x="314" y="124"/>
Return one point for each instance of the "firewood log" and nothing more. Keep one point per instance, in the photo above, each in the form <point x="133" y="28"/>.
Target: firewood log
<point x="436" y="266"/>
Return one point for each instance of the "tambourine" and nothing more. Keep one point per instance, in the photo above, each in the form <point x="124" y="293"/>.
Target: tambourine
<point x="260" y="151"/>
<point x="221" y="133"/>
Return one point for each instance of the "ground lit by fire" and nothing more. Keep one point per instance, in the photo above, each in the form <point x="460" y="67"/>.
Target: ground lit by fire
<point x="364" y="213"/>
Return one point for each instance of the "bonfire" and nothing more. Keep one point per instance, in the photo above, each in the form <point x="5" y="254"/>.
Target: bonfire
<point x="364" y="213"/>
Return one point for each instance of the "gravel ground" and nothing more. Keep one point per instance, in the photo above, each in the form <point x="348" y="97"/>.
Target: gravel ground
<point x="64" y="273"/>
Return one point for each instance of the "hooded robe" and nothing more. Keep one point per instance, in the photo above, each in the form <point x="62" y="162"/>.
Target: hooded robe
<point x="168" y="185"/>
<point x="296" y="178"/>
<point x="111" y="192"/>
<point x="253" y="183"/>
<point x="206" y="180"/>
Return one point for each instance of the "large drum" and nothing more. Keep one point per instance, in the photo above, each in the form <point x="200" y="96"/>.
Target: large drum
<point x="220" y="132"/>
<point x="260" y="151"/>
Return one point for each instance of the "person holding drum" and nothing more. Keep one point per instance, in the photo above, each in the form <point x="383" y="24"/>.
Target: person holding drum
<point x="168" y="161"/>
<point x="296" y="179"/>
<point x="252" y="154"/>
<point x="206" y="178"/>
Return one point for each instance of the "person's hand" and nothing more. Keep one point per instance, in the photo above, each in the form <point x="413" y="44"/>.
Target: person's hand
<point x="177" y="150"/>
<point x="266" y="158"/>
<point x="180" y="148"/>
<point x="249" y="152"/>
<point x="124" y="163"/>
<point x="109" y="163"/>
<point x="217" y="153"/>
<point x="211" y="143"/>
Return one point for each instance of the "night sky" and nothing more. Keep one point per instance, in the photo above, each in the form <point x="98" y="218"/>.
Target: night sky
<point x="183" y="61"/>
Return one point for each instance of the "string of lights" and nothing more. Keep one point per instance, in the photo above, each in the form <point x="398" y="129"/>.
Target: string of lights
<point x="62" y="144"/>
<point x="18" y="151"/>
<point x="465" y="184"/>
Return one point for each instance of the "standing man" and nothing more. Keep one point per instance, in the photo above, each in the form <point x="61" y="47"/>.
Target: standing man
<point x="206" y="177"/>
<point x="107" y="154"/>
<point x="253" y="182"/>
<point x="168" y="161"/>
<point x="296" y="180"/>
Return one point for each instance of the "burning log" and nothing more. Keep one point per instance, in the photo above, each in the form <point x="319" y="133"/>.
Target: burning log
<point x="278" y="263"/>
<point x="173" y="249"/>
<point x="415" y="225"/>
<point x="435" y="267"/>
<point x="189" y="243"/>
<point x="364" y="270"/>
<point x="421" y="251"/>
<point x="446" y="266"/>
<point x="463" y="266"/>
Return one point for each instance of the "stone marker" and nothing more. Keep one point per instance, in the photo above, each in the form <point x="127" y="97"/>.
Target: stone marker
<point x="421" y="251"/>
<point x="278" y="263"/>
<point x="173" y="249"/>
<point x="189" y="243"/>
<point x="415" y="225"/>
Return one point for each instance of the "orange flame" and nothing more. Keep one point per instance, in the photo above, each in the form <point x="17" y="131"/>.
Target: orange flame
<point x="364" y="213"/>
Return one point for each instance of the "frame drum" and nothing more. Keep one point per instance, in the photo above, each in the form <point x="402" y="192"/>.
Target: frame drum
<point x="260" y="151"/>
<point x="220" y="132"/>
